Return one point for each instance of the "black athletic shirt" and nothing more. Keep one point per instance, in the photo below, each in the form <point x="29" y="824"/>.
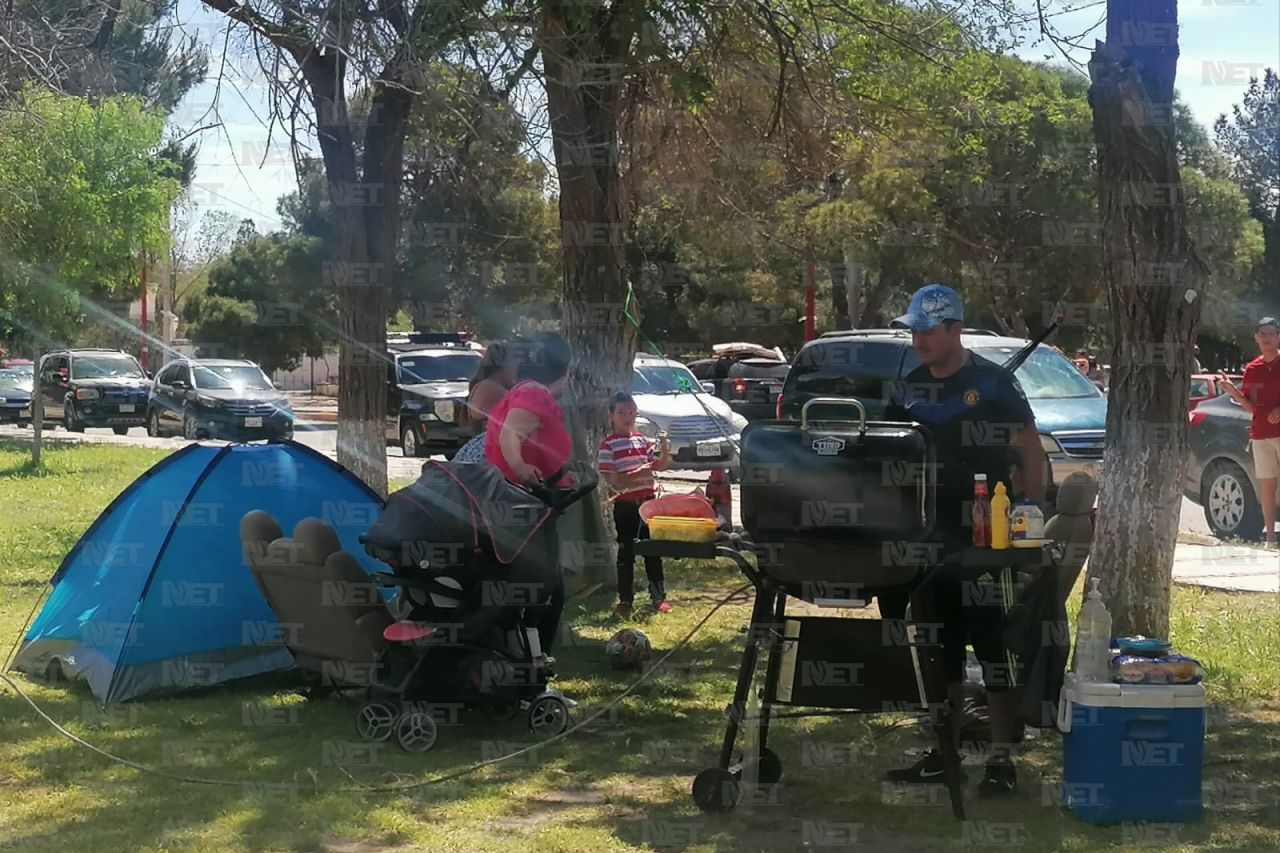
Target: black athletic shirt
<point x="974" y="415"/>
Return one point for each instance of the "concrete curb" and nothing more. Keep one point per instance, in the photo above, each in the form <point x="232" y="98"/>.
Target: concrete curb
<point x="319" y="416"/>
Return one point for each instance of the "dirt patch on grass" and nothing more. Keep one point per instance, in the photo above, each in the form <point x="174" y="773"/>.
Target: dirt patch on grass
<point x="366" y="847"/>
<point x="548" y="806"/>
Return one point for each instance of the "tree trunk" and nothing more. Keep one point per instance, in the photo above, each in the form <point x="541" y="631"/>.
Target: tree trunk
<point x="840" y="294"/>
<point x="872" y="315"/>
<point x="1153" y="281"/>
<point x="361" y="285"/>
<point x="37" y="408"/>
<point x="582" y="57"/>
<point x="853" y="280"/>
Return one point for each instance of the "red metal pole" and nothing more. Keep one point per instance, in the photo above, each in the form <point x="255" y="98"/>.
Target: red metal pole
<point x="144" y="310"/>
<point x="809" y="331"/>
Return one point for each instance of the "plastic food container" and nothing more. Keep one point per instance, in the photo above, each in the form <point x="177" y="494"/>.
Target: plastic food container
<point x="690" y="505"/>
<point x="682" y="529"/>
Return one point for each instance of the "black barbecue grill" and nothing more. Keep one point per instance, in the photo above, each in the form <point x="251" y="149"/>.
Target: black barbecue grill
<point x="836" y="512"/>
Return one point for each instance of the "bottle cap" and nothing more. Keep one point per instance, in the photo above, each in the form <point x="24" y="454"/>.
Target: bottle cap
<point x="980" y="478"/>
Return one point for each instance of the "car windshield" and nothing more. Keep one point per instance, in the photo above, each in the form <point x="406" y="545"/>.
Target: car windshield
<point x="418" y="370"/>
<point x="664" y="379"/>
<point x="15" y="381"/>
<point x="759" y="368"/>
<point x="231" y="377"/>
<point x="1045" y="374"/>
<point x="105" y="367"/>
<point x="862" y="368"/>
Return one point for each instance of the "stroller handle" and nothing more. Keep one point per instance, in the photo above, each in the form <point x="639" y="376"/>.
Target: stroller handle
<point x="586" y="479"/>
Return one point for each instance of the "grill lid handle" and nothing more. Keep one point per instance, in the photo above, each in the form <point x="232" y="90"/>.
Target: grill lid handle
<point x="834" y="401"/>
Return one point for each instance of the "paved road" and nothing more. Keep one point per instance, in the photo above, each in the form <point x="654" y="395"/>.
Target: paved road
<point x="323" y="437"/>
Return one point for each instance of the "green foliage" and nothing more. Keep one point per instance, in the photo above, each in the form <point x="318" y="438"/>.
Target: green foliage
<point x="80" y="195"/>
<point x="265" y="301"/>
<point x="1251" y="140"/>
<point x="479" y="235"/>
<point x="64" y="44"/>
<point x="152" y="60"/>
<point x="900" y="164"/>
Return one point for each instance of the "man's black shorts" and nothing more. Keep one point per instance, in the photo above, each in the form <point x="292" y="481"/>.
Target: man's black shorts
<point x="971" y="611"/>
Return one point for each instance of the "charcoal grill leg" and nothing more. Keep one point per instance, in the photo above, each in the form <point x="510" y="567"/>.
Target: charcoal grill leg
<point x="760" y="613"/>
<point x="935" y="684"/>
<point x="776" y="648"/>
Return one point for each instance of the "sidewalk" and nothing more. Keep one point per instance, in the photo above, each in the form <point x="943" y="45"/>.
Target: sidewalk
<point x="315" y="409"/>
<point x="1238" y="568"/>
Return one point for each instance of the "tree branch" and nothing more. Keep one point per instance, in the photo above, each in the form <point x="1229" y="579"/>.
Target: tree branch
<point x="103" y="38"/>
<point x="299" y="48"/>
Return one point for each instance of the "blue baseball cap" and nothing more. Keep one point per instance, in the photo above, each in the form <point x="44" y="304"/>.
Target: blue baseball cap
<point x="931" y="305"/>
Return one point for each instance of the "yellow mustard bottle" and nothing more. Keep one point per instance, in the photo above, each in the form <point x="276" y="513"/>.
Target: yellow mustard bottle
<point x="1000" y="518"/>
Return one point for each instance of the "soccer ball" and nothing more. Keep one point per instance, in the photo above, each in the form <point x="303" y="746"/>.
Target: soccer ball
<point x="627" y="649"/>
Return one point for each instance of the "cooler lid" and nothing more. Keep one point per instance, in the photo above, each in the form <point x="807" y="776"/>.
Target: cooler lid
<point x="1100" y="694"/>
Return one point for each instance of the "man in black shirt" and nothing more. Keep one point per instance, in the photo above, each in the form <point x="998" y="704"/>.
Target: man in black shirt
<point x="981" y="423"/>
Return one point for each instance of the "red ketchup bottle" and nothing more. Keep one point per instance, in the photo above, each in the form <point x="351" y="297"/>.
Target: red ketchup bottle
<point x="981" y="512"/>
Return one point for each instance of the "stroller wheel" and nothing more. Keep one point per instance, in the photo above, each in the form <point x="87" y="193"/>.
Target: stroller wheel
<point x="416" y="731"/>
<point x="548" y="715"/>
<point x="375" y="720"/>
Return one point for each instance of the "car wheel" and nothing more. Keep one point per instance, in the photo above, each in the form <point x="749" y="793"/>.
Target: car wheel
<point x="153" y="424"/>
<point x="71" y="420"/>
<point x="189" y="430"/>
<point x="120" y="430"/>
<point x="410" y="444"/>
<point x="1231" y="507"/>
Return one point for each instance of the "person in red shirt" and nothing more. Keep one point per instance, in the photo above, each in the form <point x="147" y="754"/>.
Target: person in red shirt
<point x="626" y="461"/>
<point x="525" y="437"/>
<point x="1259" y="395"/>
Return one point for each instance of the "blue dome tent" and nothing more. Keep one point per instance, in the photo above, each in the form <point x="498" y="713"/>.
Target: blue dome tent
<point x="156" y="595"/>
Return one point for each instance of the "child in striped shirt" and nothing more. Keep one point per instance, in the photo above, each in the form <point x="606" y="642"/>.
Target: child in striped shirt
<point x="626" y="461"/>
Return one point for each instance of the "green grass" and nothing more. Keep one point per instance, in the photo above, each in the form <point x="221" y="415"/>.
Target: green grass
<point x="621" y="785"/>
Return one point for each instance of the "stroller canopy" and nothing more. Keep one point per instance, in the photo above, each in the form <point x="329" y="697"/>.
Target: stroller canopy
<point x="451" y="511"/>
<point x="156" y="595"/>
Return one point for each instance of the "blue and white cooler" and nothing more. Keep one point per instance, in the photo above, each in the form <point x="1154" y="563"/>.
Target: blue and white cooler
<point x="1132" y="752"/>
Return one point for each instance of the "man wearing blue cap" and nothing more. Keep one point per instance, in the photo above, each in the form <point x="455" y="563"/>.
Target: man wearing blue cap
<point x="981" y="423"/>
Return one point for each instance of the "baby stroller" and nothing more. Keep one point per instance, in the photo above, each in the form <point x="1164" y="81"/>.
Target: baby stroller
<point x="476" y="563"/>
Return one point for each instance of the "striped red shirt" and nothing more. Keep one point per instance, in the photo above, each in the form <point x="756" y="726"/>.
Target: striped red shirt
<point x="623" y="454"/>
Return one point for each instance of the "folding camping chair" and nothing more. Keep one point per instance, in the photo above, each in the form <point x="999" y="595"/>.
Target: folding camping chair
<point x="331" y="614"/>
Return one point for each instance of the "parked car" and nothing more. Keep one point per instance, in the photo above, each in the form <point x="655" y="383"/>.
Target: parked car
<point x="427" y="389"/>
<point x="217" y="398"/>
<point x="1205" y="386"/>
<point x="704" y="430"/>
<point x="15" y="397"/>
<point x="26" y="368"/>
<point x="93" y="388"/>
<point x="1219" y="472"/>
<point x="1070" y="411"/>
<point x="748" y="377"/>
